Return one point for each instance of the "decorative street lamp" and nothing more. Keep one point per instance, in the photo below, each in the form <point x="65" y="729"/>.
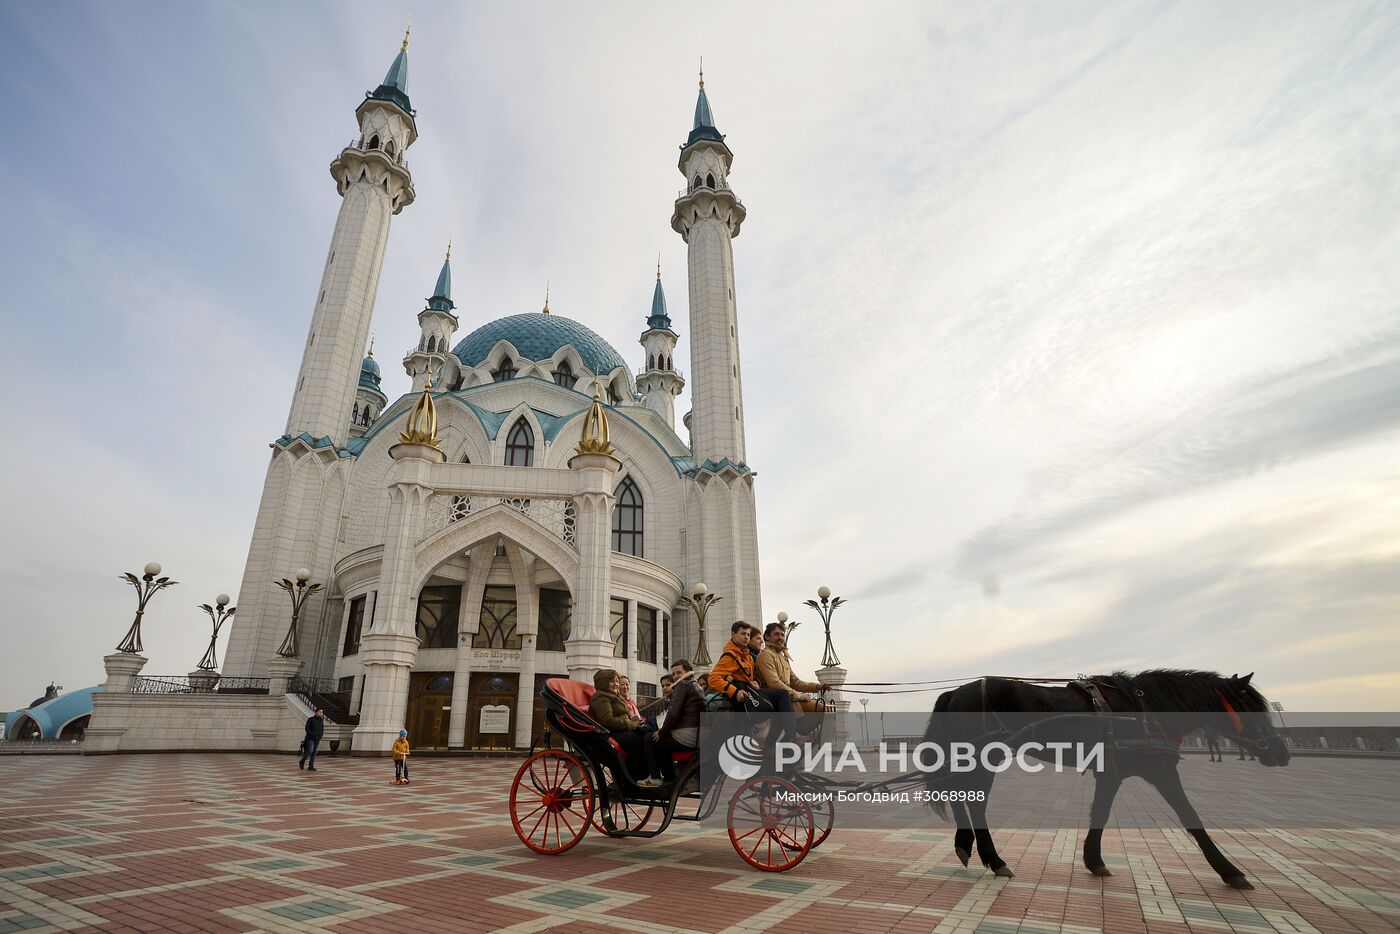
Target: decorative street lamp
<point x="865" y="718"/>
<point x="700" y="601"/>
<point x="145" y="586"/>
<point x="219" y="615"/>
<point x="826" y="608"/>
<point x="298" y="592"/>
<point x="787" y="628"/>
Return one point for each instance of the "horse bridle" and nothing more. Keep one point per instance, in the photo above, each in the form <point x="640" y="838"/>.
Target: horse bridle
<point x="1256" y="742"/>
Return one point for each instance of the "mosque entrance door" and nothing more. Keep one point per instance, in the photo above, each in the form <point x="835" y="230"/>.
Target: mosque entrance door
<point x="538" y="726"/>
<point x="429" y="709"/>
<point x="491" y="710"/>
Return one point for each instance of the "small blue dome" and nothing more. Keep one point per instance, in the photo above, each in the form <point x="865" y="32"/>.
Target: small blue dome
<point x="369" y="373"/>
<point x="537" y="336"/>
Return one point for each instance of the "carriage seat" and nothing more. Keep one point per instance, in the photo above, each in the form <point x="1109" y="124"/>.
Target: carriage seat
<point x="572" y="699"/>
<point x="578" y="694"/>
<point x="683" y="755"/>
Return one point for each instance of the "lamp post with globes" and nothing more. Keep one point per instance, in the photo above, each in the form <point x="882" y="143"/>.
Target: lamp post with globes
<point x="219" y="614"/>
<point x="298" y="592"/>
<point x="146" y="586"/>
<point x="827" y="606"/>
<point x="700" y="600"/>
<point x="788" y="628"/>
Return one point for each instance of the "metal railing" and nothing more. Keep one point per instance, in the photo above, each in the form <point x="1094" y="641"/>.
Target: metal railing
<point x="360" y="145"/>
<point x="326" y="694"/>
<point x="182" y="684"/>
<point x="675" y="369"/>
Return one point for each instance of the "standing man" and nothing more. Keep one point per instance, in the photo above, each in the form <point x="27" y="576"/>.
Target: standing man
<point x="315" y="729"/>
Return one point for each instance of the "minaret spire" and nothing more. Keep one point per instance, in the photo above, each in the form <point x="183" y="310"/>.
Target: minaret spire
<point x="545" y="309"/>
<point x="374" y="189"/>
<point x="708" y="216"/>
<point x="437" y="323"/>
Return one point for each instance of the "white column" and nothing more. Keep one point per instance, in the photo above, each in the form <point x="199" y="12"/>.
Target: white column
<point x="633" y="624"/>
<point x="590" y="646"/>
<point x="527" y="617"/>
<point x="390" y="648"/>
<point x="468" y="624"/>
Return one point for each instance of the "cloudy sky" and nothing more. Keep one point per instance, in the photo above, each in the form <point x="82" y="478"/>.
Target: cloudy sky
<point x="1070" y="330"/>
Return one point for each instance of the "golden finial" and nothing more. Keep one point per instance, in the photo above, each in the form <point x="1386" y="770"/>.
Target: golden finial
<point x="545" y="310"/>
<point x="702" y="72"/>
<point x="371" y="343"/>
<point x="422" y="421"/>
<point x="407" y="32"/>
<point x="594" y="437"/>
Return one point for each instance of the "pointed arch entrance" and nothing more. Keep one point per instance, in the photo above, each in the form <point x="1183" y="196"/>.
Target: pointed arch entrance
<point x="513" y="579"/>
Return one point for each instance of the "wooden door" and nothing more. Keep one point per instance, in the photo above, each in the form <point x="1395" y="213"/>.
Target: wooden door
<point x="491" y="710"/>
<point x="429" y="709"/>
<point x="537" y="725"/>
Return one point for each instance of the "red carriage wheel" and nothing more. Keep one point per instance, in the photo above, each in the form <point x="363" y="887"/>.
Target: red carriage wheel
<point x="550" y="801"/>
<point x="770" y="826"/>
<point x="625" y="816"/>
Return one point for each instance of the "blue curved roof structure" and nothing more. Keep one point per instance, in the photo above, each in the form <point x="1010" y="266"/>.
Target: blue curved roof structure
<point x="536" y="336"/>
<point x="53" y="715"/>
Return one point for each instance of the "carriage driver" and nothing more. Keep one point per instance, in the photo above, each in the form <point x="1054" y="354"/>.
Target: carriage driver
<point x="774" y="668"/>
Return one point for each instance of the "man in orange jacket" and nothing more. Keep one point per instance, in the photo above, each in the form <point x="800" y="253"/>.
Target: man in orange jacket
<point x="733" y="676"/>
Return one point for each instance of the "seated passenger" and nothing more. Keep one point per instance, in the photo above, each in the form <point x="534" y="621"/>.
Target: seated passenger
<point x="733" y="676"/>
<point x="681" y="731"/>
<point x="609" y="709"/>
<point x="774" y="668"/>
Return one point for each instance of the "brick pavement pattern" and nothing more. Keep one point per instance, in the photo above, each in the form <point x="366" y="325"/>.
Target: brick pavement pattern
<point x="245" y="842"/>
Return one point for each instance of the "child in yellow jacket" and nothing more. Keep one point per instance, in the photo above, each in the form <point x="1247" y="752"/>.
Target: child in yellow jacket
<point x="401" y="753"/>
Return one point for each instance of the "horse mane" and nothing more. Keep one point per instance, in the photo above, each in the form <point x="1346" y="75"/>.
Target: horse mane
<point x="1184" y="689"/>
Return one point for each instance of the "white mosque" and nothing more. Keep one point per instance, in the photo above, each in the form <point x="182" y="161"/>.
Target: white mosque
<point x="529" y="509"/>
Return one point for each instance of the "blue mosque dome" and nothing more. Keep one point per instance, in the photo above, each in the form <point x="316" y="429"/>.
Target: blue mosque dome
<point x="536" y="336"/>
<point x="369" y="372"/>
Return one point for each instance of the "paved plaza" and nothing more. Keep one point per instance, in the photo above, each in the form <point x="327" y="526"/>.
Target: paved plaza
<point x="248" y="842"/>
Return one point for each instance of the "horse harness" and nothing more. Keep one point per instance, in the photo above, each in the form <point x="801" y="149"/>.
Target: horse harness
<point x="1154" y="739"/>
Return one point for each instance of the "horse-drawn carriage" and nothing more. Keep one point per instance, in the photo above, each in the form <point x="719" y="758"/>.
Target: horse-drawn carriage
<point x="774" y="820"/>
<point x="558" y="794"/>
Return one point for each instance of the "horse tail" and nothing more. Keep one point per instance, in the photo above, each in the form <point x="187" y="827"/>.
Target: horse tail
<point x="938" y="733"/>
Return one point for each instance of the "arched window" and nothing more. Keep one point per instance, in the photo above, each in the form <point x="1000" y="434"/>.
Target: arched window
<point x="374" y="141"/>
<point x="520" y="445"/>
<point x="651" y="362"/>
<point x="506" y="371"/>
<point x="355" y="414"/>
<point x="369" y="416"/>
<point x="613" y="398"/>
<point x="389" y="147"/>
<point x="709" y="181"/>
<point x="627" y="519"/>
<point x="697" y="182"/>
<point x="564" y="375"/>
<point x="497" y="627"/>
<point x="436" y="625"/>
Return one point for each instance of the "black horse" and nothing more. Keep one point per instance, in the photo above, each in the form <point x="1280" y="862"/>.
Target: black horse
<point x="1141" y="719"/>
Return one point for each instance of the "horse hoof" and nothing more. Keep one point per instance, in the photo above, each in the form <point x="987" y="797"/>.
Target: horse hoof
<point x="1004" y="872"/>
<point x="1100" y="870"/>
<point x="963" y="855"/>
<point x="1239" y="882"/>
